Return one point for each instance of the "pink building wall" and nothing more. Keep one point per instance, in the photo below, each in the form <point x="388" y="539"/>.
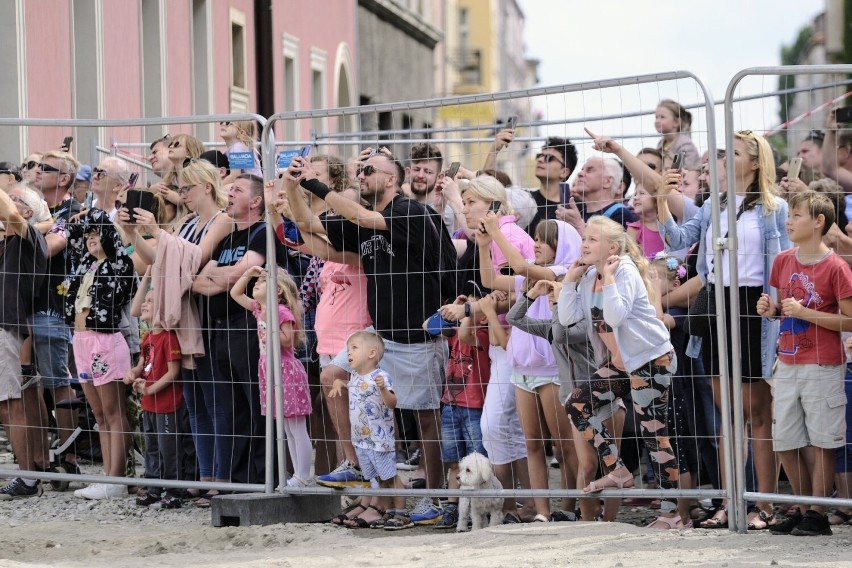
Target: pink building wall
<point x="122" y="67"/>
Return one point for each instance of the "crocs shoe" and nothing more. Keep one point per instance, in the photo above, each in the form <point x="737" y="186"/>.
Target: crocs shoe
<point x="347" y="474"/>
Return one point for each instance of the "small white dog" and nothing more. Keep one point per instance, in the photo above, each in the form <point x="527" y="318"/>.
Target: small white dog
<point x="475" y="472"/>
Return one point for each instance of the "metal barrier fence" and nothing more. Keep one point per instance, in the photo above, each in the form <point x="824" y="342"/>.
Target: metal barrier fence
<point x="730" y="244"/>
<point x="731" y="400"/>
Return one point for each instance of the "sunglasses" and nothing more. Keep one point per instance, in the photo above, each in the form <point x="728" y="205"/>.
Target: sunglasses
<point x="175" y="144"/>
<point x="46" y="168"/>
<point x="226" y="123"/>
<point x="98" y="173"/>
<point x="367" y="171"/>
<point x="549" y="158"/>
<point x="31" y="165"/>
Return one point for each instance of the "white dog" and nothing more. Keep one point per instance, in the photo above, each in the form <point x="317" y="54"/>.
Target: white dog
<point x="475" y="472"/>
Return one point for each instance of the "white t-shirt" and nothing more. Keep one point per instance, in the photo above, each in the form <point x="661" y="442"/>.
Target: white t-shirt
<point x="749" y="249"/>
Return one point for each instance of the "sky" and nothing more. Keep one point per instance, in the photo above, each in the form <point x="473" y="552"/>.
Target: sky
<point x="578" y="40"/>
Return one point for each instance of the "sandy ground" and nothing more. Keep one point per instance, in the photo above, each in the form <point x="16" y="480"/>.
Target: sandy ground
<point x="59" y="530"/>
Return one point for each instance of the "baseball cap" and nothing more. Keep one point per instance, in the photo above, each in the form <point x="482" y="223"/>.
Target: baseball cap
<point x="85" y="173"/>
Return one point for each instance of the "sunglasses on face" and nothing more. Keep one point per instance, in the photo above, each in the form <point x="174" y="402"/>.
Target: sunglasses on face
<point x="175" y="144"/>
<point x="549" y="158"/>
<point x="46" y="168"/>
<point x="98" y="173"/>
<point x="226" y="123"/>
<point x="367" y="171"/>
<point x="31" y="165"/>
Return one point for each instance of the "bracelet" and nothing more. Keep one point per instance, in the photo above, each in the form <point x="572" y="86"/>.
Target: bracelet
<point x="129" y="249"/>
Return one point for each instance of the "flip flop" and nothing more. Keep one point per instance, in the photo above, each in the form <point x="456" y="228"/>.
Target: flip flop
<point x="671" y="523"/>
<point x="838" y="514"/>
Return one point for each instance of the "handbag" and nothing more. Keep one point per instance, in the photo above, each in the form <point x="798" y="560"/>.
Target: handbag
<point x="700" y="320"/>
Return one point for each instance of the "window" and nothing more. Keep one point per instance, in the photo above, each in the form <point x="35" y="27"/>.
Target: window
<point x="238" y="55"/>
<point x="290" y="48"/>
<point x="318" y="92"/>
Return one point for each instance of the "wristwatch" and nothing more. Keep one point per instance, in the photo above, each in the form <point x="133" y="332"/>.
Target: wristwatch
<point x="467" y="309"/>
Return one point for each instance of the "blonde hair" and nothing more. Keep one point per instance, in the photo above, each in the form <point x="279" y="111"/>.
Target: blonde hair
<point x="288" y="294"/>
<point x="758" y="148"/>
<point x="684" y="116"/>
<point x="194" y="148"/>
<point x="246" y="132"/>
<point x="487" y="188"/>
<point x="202" y="172"/>
<point x="372" y="339"/>
<point x="613" y="233"/>
<point x="68" y="164"/>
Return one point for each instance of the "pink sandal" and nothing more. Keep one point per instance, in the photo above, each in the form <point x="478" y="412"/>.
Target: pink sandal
<point x="609" y="481"/>
<point x="671" y="523"/>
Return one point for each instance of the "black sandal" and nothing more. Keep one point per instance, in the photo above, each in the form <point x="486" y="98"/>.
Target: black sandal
<point x="358" y="523"/>
<point x="844" y="517"/>
<point x="343" y="515"/>
<point x="763" y="518"/>
<point x="719" y="520"/>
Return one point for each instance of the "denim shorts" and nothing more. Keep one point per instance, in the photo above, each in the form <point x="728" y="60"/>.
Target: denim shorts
<point x="418" y="371"/>
<point x="51" y="338"/>
<point x="460" y="433"/>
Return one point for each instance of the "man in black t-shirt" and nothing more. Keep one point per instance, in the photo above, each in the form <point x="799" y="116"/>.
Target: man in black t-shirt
<point x="23" y="254"/>
<point x="233" y="332"/>
<point x="399" y="242"/>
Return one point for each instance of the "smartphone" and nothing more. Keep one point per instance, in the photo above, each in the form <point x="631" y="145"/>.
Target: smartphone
<point x="89" y="201"/>
<point x="132" y="181"/>
<point x="140" y="199"/>
<point x="843" y="115"/>
<point x="495" y="206"/>
<point x="565" y="192"/>
<point x="794" y="168"/>
<point x="454" y="169"/>
<point x="677" y="162"/>
<point x="511" y="122"/>
<point x="306" y="151"/>
<point x="66" y="142"/>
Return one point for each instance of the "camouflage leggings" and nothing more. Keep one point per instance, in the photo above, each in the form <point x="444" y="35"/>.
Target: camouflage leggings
<point x="648" y="386"/>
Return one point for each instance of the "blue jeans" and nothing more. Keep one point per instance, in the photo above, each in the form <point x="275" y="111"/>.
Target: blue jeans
<point x="460" y="433"/>
<point x="51" y="337"/>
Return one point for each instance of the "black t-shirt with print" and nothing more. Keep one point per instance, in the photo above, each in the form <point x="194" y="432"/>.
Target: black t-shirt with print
<point x="545" y="209"/>
<point x="400" y="264"/>
<point x="49" y="299"/>
<point x="228" y="252"/>
<point x="22" y="266"/>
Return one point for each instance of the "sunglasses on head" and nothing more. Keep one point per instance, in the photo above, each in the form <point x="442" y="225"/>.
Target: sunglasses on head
<point x="549" y="158"/>
<point x="31" y="165"/>
<point x="47" y="168"/>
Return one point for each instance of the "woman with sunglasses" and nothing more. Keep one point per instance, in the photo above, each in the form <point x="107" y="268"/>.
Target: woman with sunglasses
<point x="10" y="175"/>
<point x="761" y="235"/>
<point x="29" y="168"/>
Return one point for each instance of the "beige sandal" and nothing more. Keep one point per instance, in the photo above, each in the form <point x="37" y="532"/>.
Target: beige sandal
<point x="671" y="523"/>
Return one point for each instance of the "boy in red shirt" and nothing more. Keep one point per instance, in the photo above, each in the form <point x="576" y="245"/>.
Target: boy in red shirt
<point x="155" y="377"/>
<point x="815" y="304"/>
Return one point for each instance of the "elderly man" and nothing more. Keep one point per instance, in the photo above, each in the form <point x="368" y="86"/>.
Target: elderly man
<point x="22" y="262"/>
<point x="597" y="191"/>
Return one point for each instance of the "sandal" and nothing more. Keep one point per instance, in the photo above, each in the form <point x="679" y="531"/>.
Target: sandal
<point x="719" y="520"/>
<point x="344" y="515"/>
<point x="510" y="519"/>
<point x="359" y="522"/>
<point x="760" y="520"/>
<point x="839" y="517"/>
<point x="671" y="523"/>
<point x="540" y="519"/>
<point x="397" y="522"/>
<point x="608" y="481"/>
<point x="206" y="499"/>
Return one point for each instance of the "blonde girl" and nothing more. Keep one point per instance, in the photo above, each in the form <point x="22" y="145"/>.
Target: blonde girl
<point x="609" y="289"/>
<point x="674" y="123"/>
<point x="535" y="373"/>
<point x="239" y="136"/>
<point x="297" y="400"/>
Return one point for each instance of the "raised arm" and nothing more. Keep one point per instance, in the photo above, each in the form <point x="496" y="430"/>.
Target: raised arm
<point x="489" y="278"/>
<point x="502" y="140"/>
<point x="520" y="265"/>
<point x="238" y="292"/>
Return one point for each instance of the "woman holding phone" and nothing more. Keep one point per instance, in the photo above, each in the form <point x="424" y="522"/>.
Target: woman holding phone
<point x="761" y="218"/>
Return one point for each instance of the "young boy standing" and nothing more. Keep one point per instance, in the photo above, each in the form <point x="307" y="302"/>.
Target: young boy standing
<point x="371" y="404"/>
<point x="815" y="304"/>
<point x="155" y="377"/>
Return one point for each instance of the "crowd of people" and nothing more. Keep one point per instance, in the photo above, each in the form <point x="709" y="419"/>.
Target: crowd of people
<point x="428" y="311"/>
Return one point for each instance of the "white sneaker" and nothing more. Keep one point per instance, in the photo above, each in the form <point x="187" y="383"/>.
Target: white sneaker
<point x="296" y="481"/>
<point x="101" y="491"/>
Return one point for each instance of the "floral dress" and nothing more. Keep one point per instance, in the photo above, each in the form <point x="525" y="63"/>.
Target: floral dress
<point x="297" y="398"/>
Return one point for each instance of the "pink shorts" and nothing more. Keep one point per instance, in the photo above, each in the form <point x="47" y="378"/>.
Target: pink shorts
<point x="104" y="357"/>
